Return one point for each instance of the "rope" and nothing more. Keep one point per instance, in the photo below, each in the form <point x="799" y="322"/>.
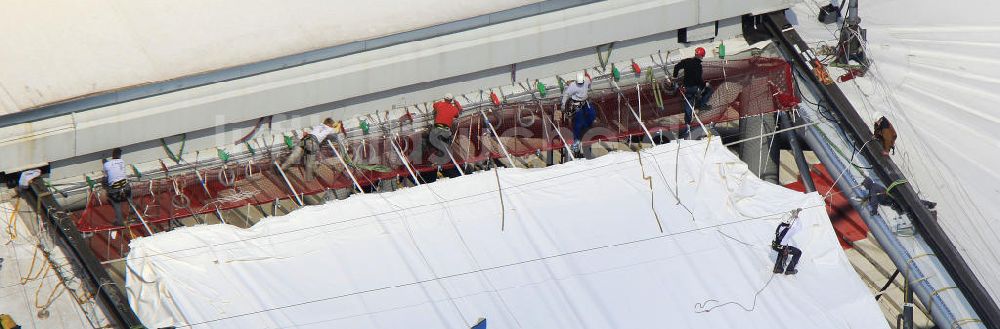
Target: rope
<point x="898" y="182"/>
<point x="31" y="269"/>
<point x="177" y="157"/>
<point x="520" y="118"/>
<point x="503" y="211"/>
<point x="451" y="219"/>
<point x="43" y="309"/>
<point x="703" y="306"/>
<point x="935" y="293"/>
<point x="648" y="179"/>
<point x="961" y="322"/>
<point x="538" y="259"/>
<point x="603" y="60"/>
<point x="657" y="96"/>
<point x="12" y="222"/>
<point x="423" y="256"/>
<point x="224" y="177"/>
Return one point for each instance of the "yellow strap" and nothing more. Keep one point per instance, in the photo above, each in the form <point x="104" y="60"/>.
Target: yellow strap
<point x="12" y="222"/>
<point x="7" y="322"/>
<point x="935" y="293"/>
<point x="960" y="322"/>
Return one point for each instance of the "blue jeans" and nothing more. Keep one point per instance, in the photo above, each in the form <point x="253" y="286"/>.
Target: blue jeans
<point x="698" y="95"/>
<point x="582" y="120"/>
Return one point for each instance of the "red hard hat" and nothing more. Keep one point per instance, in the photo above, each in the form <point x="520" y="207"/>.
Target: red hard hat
<point x="700" y="52"/>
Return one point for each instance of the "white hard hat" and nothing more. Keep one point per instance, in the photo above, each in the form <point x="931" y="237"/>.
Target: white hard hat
<point x="579" y="77"/>
<point x="448" y="97"/>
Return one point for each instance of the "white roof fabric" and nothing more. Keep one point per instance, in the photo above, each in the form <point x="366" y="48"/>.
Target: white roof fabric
<point x="29" y="283"/>
<point x="61" y="49"/>
<point x="934" y="76"/>
<point x="576" y="245"/>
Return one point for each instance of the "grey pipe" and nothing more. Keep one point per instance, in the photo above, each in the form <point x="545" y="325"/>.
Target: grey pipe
<point x="915" y="259"/>
<point x="800" y="158"/>
<point x="758" y="154"/>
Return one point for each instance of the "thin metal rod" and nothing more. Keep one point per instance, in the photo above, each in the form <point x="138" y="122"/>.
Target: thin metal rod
<point x="643" y="125"/>
<point x="453" y="161"/>
<point x="694" y="113"/>
<point x="288" y="183"/>
<point x="558" y="133"/>
<point x="219" y="215"/>
<point x="143" y="220"/>
<point x="346" y="167"/>
<point x="406" y="163"/>
<point x="497" y="136"/>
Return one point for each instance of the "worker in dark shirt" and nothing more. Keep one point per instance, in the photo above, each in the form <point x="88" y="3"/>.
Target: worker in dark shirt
<point x="696" y="91"/>
<point x="445" y="113"/>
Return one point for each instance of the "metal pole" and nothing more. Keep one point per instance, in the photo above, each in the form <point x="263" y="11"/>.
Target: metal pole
<point x="497" y="136"/>
<point x="143" y="220"/>
<point x="558" y="133"/>
<point x="694" y="113"/>
<point x="346" y="167"/>
<point x="405" y="163"/>
<point x="907" y="306"/>
<point x="643" y="125"/>
<point x="453" y="161"/>
<point x="800" y="158"/>
<point x="287" y="182"/>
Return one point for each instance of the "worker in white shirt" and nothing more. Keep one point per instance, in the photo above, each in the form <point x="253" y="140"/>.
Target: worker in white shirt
<point x="579" y="108"/>
<point x="309" y="146"/>
<point x="783" y="243"/>
<point x="116" y="183"/>
<point x="24" y="182"/>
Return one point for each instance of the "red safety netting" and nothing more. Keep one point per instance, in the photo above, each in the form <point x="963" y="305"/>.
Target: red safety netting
<point x="742" y="88"/>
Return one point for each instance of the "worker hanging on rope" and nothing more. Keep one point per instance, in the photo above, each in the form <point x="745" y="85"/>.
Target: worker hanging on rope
<point x="117" y="185"/>
<point x="783" y="243"/>
<point x="696" y="90"/>
<point x="445" y="113"/>
<point x="885" y="134"/>
<point x="880" y="195"/>
<point x="579" y="108"/>
<point x="308" y="146"/>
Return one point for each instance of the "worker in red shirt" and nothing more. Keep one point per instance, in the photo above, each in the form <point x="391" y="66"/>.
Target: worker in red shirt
<point x="445" y="113"/>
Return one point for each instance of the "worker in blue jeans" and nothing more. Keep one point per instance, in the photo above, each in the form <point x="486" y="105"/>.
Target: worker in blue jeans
<point x="696" y="91"/>
<point x="581" y="110"/>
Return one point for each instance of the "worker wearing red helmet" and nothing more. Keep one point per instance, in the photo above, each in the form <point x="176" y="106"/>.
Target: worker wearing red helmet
<point x="696" y="91"/>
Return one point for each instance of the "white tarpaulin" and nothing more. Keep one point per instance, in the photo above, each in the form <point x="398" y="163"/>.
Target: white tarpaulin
<point x="934" y="76"/>
<point x="61" y="49"/>
<point x="31" y="291"/>
<point x="571" y="246"/>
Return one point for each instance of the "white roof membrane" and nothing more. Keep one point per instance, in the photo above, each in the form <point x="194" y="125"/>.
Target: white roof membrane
<point x="573" y="245"/>
<point x="934" y="77"/>
<point x="61" y="49"/>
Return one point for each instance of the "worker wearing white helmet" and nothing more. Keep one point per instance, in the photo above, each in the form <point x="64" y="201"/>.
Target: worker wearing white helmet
<point x="784" y="243"/>
<point x="581" y="110"/>
<point x="446" y="112"/>
<point x="576" y="91"/>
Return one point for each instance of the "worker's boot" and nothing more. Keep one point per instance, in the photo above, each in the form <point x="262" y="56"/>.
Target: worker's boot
<point x="790" y="270"/>
<point x="779" y="264"/>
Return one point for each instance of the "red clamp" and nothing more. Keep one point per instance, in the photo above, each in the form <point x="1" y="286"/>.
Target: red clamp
<point x="494" y="98"/>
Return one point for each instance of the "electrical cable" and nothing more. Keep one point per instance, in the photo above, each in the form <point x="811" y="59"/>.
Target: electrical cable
<point x="542" y="258"/>
<point x="504" y="188"/>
